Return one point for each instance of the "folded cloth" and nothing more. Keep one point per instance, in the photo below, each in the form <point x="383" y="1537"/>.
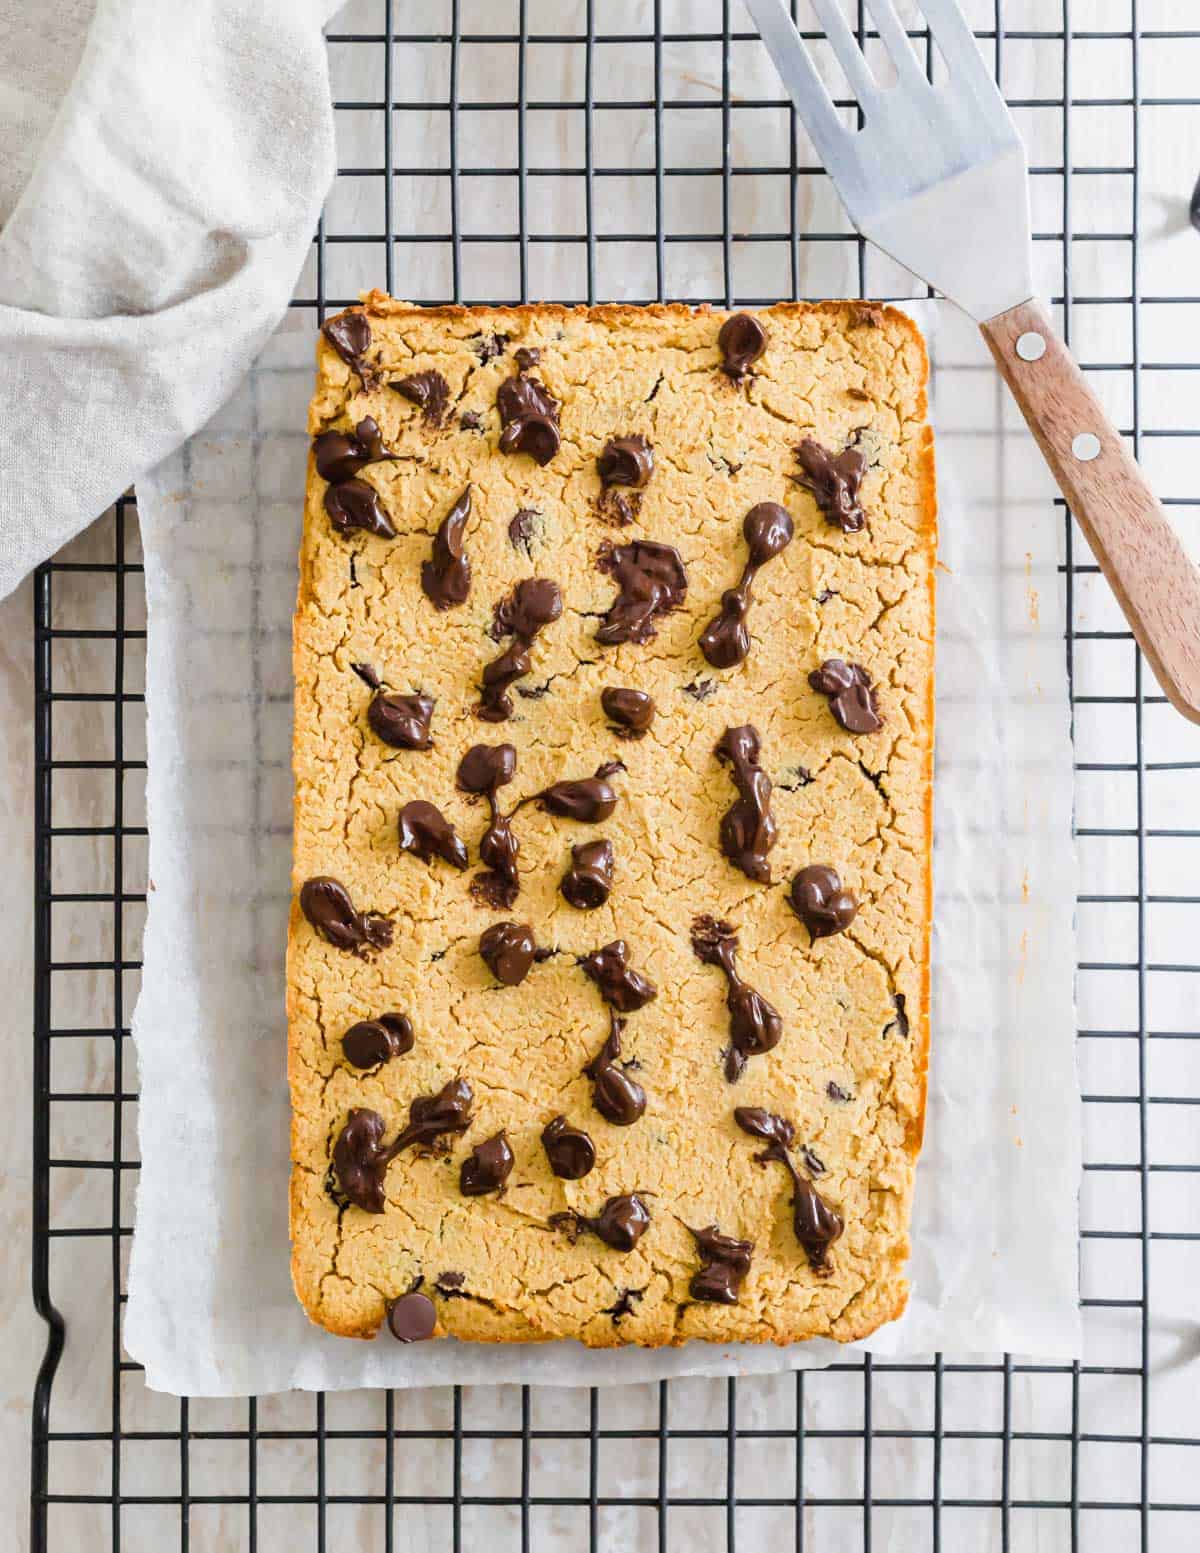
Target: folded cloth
<point x="156" y="242"/>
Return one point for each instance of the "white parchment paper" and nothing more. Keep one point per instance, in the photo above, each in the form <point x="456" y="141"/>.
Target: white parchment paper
<point x="211" y="1309"/>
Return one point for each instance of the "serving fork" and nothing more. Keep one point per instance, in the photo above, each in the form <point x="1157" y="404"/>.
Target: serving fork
<point x="936" y="176"/>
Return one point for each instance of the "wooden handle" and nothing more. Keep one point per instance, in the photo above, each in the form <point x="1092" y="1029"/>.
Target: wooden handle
<point x="1155" y="583"/>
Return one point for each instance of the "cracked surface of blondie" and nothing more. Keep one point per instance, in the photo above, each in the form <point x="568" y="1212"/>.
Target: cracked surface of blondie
<point x="849" y="1068"/>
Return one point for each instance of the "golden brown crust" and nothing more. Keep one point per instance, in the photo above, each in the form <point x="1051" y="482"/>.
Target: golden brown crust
<point x="831" y="367"/>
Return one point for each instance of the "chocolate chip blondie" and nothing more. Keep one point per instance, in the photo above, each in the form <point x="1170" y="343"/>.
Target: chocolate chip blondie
<point x="608" y="970"/>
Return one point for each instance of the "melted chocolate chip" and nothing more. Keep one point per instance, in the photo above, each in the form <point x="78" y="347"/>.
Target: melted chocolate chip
<point x="487" y="1167"/>
<point x="508" y="950"/>
<point x="489" y="347"/>
<point x="327" y="905"/>
<point x="484" y="769"/>
<point x="528" y="414"/>
<point x="350" y="336"/>
<point x="446" y="576"/>
<point x="372" y="1041"/>
<point x="533" y="604"/>
<point x="836" y="1092"/>
<point x="355" y="504"/>
<point x="621" y="1222"/>
<point x="651" y="580"/>
<point x="430" y="1116"/>
<point x="340" y="455"/>
<point x="812" y="1163"/>
<point x="626" y="461"/>
<point x="754" y="1025"/>
<point x="701" y="689"/>
<point x="625" y="465"/>
<point x="725" y="641"/>
<point x="449" y="1285"/>
<point x="425" y="831"/>
<point x="429" y="391"/>
<point x="632" y="711"/>
<point x="623" y="1306"/>
<point x="587" y="883"/>
<point x="570" y="1152"/>
<point x="815" y="1223"/>
<point x="588" y="799"/>
<point x="618" y="1098"/>
<point x="741" y="342"/>
<point x="820" y="902"/>
<point x="360" y="1160"/>
<point x="851" y="695"/>
<point x="471" y="420"/>
<point x="412" y="1318"/>
<point x="866" y="315"/>
<point x="620" y="985"/>
<point x="724" y="1263"/>
<point x="401" y="721"/>
<point x="520" y="529"/>
<point x="834" y="481"/>
<point x="901" y="1019"/>
<point x="748" y="830"/>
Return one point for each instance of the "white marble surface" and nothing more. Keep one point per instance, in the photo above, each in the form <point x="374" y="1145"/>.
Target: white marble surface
<point x="1169" y="258"/>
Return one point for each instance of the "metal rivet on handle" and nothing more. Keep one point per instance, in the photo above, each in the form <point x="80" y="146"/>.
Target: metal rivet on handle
<point x="1031" y="346"/>
<point x="1086" y="447"/>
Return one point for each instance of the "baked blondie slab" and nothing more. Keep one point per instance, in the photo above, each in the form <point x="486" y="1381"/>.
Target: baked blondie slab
<point x="608" y="969"/>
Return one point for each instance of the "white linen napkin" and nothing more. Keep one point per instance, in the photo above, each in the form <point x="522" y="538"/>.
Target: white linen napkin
<point x="156" y="239"/>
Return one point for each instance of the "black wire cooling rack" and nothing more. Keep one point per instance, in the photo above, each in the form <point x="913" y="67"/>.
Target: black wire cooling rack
<point x="1070" y="1456"/>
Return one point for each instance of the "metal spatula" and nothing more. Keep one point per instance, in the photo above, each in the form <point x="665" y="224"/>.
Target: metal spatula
<point x="937" y="178"/>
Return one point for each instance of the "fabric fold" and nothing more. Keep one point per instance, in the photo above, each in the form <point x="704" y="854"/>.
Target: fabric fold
<point x="153" y="249"/>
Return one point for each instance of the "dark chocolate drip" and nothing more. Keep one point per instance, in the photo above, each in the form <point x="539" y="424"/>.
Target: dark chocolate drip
<point x="327" y="905"/>
<point x="360" y="1157"/>
<point x="754" y="1025"/>
<point x="725" y="641"/>
<point x="587" y="799"/>
<point x="446" y="576"/>
<point x="484" y="770"/>
<point x="355" y="504"/>
<point x="401" y="721"/>
<point x="724" y="1263"/>
<point x="350" y="336"/>
<point x="569" y="1150"/>
<point x="618" y="1098"/>
<point x="631" y="711"/>
<point x="624" y="467"/>
<point x="741" y="342"/>
<point x="487" y="1167"/>
<point x="650" y="579"/>
<point x="340" y="455"/>
<point x="815" y="1223"/>
<point x="588" y="880"/>
<point x="820" y="902"/>
<point x="429" y="391"/>
<point x="852" y="698"/>
<point x="626" y="461"/>
<point x="623" y="1305"/>
<point x="748" y="830"/>
<point x="834" y="481"/>
<point x="372" y="1041"/>
<point x="534" y="604"/>
<point x="508" y="949"/>
<point x="620" y="985"/>
<point x="528" y="413"/>
<point x="427" y="833"/>
<point x="621" y="1222"/>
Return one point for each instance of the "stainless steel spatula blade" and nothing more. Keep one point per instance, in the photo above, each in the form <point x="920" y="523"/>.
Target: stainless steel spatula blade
<point x="936" y="177"/>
